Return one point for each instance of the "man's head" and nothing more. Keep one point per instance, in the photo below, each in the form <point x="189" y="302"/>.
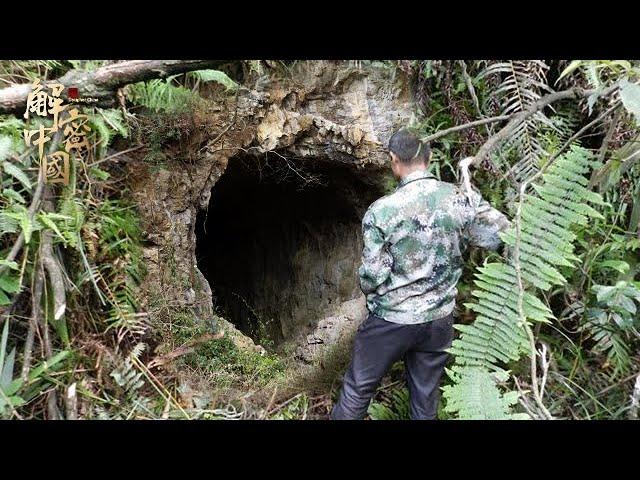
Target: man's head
<point x="408" y="153"/>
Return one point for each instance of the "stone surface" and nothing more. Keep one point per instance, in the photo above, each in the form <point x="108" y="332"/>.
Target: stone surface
<point x="338" y="328"/>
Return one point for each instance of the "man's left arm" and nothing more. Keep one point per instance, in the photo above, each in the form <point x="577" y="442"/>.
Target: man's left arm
<point x="376" y="264"/>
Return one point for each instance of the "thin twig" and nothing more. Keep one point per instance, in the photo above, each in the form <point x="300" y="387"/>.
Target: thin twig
<point x="521" y="315"/>
<point x="157" y="385"/>
<point x="273" y="396"/>
<point x="283" y="404"/>
<point x="523" y="400"/>
<point x="112" y="156"/>
<point x="617" y="384"/>
<point x="470" y="88"/>
<point x="635" y="400"/>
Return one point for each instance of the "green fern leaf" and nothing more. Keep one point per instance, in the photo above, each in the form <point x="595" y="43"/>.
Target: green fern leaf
<point x="161" y="95"/>
<point x="476" y="395"/>
<point x="11" y="194"/>
<point x="215" y="76"/>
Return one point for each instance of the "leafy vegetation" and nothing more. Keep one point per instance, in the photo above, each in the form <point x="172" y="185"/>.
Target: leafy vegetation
<point x="560" y="269"/>
<point x="221" y="360"/>
<point x="396" y="408"/>
<point x="548" y="329"/>
<point x="82" y="245"/>
<point x="542" y="243"/>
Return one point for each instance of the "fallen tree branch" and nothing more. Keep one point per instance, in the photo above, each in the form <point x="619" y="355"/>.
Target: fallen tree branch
<point x="104" y="82"/>
<point x="514" y="120"/>
<point x="464" y="126"/>
<point x="572" y="139"/>
<point x="576" y="135"/>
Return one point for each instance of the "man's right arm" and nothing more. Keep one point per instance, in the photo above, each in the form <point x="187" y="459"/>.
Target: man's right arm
<point x="487" y="223"/>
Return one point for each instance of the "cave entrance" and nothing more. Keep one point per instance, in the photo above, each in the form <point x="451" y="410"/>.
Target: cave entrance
<point x="280" y="243"/>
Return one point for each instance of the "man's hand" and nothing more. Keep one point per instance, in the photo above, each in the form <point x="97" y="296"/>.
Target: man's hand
<point x="488" y="222"/>
<point x="463" y="166"/>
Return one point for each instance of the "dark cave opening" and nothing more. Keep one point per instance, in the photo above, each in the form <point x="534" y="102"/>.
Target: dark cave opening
<point x="281" y="241"/>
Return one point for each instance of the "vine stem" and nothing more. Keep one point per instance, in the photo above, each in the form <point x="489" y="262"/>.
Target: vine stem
<point x="521" y="316"/>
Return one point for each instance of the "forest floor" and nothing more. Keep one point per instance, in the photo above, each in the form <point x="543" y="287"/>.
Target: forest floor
<point x="301" y="381"/>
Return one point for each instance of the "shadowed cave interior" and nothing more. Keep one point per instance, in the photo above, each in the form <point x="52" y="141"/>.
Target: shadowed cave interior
<point x="281" y="241"/>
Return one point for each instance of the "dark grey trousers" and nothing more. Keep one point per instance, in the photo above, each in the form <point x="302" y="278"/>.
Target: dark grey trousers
<point x="377" y="346"/>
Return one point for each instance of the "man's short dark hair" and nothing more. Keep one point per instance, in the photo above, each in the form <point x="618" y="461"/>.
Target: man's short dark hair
<point x="408" y="147"/>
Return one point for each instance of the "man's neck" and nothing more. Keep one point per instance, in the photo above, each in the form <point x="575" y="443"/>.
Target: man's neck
<point x="409" y="171"/>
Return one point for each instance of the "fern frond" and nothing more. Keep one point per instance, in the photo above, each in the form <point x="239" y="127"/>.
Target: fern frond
<point x="161" y="95"/>
<point x="118" y="232"/>
<point x="214" y="76"/>
<point x="396" y="409"/>
<point x="558" y="203"/>
<point x="18" y="173"/>
<point x="476" y="396"/>
<point x="523" y="83"/>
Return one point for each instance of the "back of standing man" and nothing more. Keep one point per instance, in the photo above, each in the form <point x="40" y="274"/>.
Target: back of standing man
<point x="411" y="263"/>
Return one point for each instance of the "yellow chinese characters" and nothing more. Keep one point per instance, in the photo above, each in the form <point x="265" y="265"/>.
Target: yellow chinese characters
<point x="44" y="101"/>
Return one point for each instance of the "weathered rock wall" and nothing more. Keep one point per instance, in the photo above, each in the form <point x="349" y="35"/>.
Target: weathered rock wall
<point x="317" y="110"/>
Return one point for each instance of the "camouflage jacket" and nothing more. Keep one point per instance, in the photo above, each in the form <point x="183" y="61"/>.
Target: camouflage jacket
<point x="413" y="244"/>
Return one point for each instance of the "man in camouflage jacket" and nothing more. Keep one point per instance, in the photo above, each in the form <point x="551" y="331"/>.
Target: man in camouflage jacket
<point x="411" y="263"/>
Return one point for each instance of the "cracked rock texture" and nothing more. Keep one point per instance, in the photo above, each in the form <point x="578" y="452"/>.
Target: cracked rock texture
<point x="335" y="329"/>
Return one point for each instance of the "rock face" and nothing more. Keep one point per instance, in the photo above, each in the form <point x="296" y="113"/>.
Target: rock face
<point x="317" y="113"/>
<point x="336" y="329"/>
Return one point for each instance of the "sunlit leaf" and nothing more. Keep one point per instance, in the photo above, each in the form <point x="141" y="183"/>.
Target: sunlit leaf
<point x="572" y="66"/>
